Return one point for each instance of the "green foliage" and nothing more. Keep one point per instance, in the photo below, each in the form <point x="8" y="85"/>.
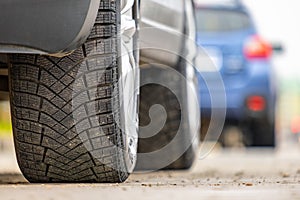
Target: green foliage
<point x="5" y="128"/>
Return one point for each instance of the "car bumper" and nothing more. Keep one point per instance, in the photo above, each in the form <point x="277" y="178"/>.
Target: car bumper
<point x="236" y="94"/>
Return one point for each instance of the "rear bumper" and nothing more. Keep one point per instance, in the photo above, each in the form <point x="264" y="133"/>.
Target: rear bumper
<point x="45" y="27"/>
<point x="256" y="83"/>
<point x="236" y="104"/>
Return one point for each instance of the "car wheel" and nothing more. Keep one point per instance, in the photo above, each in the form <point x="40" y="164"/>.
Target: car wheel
<point x="181" y="152"/>
<point x="71" y="121"/>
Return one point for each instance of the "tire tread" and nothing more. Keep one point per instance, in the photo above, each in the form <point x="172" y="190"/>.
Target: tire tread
<point x="48" y="147"/>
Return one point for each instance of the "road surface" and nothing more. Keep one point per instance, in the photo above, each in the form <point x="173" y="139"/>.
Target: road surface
<point x="224" y="174"/>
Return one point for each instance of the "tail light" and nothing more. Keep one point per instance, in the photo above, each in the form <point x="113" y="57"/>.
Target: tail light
<point x="256" y="103"/>
<point x="257" y="48"/>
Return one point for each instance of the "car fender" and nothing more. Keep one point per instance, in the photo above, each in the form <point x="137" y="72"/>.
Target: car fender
<point x="45" y="26"/>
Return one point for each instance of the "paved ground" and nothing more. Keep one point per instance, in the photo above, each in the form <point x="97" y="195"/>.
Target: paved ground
<point x="230" y="174"/>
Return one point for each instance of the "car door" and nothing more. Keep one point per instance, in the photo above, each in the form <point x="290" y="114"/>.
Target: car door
<point x="162" y="25"/>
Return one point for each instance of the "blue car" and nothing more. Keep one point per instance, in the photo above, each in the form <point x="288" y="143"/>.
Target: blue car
<point x="228" y="35"/>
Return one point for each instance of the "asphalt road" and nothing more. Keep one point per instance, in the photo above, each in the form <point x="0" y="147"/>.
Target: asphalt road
<point x="224" y="174"/>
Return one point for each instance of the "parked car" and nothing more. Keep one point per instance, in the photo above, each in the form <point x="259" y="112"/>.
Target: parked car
<point x="65" y="60"/>
<point x="74" y="85"/>
<point x="227" y="33"/>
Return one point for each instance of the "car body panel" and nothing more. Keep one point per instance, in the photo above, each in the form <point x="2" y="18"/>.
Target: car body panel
<point x="162" y="29"/>
<point x="45" y="26"/>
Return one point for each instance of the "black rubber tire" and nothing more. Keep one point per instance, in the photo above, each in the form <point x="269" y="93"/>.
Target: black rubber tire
<point x="263" y="133"/>
<point x="176" y="122"/>
<point x="49" y="146"/>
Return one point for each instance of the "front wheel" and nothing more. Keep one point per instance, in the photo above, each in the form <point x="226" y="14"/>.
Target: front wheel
<point x="70" y="117"/>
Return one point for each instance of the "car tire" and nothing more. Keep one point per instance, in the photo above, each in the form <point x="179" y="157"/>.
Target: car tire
<point x="58" y="139"/>
<point x="263" y="133"/>
<point x="176" y="121"/>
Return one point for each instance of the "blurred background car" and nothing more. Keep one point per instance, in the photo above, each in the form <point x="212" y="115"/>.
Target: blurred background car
<point x="227" y="33"/>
